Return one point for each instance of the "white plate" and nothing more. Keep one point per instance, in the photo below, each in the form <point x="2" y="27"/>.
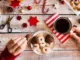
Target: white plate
<point x="40" y="33"/>
<point x="75" y="11"/>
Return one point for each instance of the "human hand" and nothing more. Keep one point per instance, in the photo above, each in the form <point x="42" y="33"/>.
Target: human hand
<point x="17" y="45"/>
<point x="75" y="33"/>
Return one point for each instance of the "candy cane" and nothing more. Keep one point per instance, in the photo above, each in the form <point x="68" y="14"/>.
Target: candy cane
<point x="43" y="8"/>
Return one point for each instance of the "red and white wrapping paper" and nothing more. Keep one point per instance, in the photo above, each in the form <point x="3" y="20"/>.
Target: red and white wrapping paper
<point x="50" y="21"/>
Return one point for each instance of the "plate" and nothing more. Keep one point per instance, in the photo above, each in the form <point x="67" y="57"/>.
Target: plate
<point x="41" y="32"/>
<point x="77" y="12"/>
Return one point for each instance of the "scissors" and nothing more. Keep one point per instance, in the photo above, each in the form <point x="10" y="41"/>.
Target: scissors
<point x="8" y="25"/>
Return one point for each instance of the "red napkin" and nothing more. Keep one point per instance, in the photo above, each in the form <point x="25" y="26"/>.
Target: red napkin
<point x="49" y="21"/>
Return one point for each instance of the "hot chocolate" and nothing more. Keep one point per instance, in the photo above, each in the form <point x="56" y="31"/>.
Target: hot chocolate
<point x="63" y="25"/>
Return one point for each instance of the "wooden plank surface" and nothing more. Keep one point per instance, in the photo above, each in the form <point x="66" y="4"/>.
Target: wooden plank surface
<point x="37" y="8"/>
<point x="67" y="51"/>
<point x="40" y="26"/>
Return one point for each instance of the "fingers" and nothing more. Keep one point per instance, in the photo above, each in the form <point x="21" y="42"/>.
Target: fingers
<point x="21" y="41"/>
<point x="13" y="42"/>
<point x="77" y="30"/>
<point x="73" y="29"/>
<point x="17" y="39"/>
<point x="20" y="48"/>
<point x="73" y="35"/>
<point x="10" y="43"/>
<point x="16" y="45"/>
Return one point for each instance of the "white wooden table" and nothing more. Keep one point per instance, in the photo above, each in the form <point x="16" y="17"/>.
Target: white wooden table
<point x="67" y="51"/>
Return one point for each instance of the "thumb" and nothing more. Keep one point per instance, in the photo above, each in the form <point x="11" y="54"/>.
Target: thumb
<point x="73" y="35"/>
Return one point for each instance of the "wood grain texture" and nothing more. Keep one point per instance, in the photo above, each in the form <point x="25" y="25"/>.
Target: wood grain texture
<point x="67" y="51"/>
<point x="37" y="8"/>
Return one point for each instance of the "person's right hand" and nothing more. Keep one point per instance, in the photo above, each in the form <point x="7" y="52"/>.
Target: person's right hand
<point x="17" y="45"/>
<point x="75" y="33"/>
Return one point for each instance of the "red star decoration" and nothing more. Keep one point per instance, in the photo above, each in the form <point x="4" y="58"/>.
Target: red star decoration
<point x="15" y="3"/>
<point x="33" y="21"/>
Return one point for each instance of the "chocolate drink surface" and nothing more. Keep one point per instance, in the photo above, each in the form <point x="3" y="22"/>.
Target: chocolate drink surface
<point x="62" y="25"/>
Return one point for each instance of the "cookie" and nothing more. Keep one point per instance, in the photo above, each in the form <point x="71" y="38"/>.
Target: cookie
<point x="49" y="39"/>
<point x="75" y="4"/>
<point x="78" y="7"/>
<point x="28" y="36"/>
<point x="9" y="9"/>
<point x="36" y="46"/>
<point x="47" y="45"/>
<point x="41" y="39"/>
<point x="42" y="44"/>
<point x="51" y="45"/>
<point x="46" y="50"/>
<point x="34" y="40"/>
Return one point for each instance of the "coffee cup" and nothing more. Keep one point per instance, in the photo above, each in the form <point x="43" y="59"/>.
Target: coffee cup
<point x="63" y="25"/>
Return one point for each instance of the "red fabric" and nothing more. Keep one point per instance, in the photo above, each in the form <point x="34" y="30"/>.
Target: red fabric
<point x="5" y="55"/>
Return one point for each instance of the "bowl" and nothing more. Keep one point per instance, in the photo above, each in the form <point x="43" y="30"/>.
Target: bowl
<point x="44" y="34"/>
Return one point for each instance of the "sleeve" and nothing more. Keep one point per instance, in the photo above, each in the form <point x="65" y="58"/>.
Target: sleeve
<point x="5" y="55"/>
